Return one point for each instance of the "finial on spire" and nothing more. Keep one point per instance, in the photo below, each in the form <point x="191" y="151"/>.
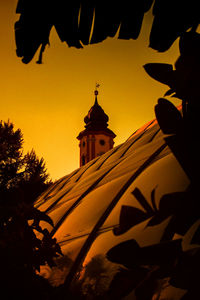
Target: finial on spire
<point x="96" y="91"/>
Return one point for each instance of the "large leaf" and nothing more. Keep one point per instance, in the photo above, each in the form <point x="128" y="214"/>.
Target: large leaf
<point x="129" y="217"/>
<point x="160" y="72"/>
<point x="73" y="22"/>
<point x="168" y="116"/>
<point x="171" y="19"/>
<point x="185" y="273"/>
<point x="38" y="216"/>
<point x="130" y="254"/>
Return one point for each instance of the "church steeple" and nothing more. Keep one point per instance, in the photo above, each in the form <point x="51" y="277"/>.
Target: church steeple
<point x="97" y="138"/>
<point x="96" y="118"/>
<point x="96" y="93"/>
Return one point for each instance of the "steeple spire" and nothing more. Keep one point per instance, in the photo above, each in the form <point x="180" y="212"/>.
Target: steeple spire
<point x="96" y="93"/>
<point x="96" y="138"/>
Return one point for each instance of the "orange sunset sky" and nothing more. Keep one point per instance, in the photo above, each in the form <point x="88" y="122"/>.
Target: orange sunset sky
<point x="48" y="102"/>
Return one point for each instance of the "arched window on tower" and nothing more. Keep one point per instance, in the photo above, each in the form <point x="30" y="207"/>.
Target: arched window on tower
<point x="102" y="142"/>
<point x="83" y="160"/>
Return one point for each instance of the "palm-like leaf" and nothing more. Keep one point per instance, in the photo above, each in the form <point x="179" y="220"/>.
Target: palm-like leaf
<point x="160" y="72"/>
<point x="73" y="22"/>
<point x="168" y="116"/>
<point x="130" y="254"/>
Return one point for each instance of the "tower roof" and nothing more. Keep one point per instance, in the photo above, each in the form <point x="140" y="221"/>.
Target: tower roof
<point x="96" y="120"/>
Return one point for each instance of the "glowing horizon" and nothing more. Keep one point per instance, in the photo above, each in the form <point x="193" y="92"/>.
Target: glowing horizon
<point x="49" y="102"/>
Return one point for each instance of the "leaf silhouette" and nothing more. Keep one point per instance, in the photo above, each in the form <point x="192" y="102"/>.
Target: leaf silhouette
<point x="196" y="237"/>
<point x="125" y="281"/>
<point x="185" y="273"/>
<point x="168" y="116"/>
<point x="169" y="92"/>
<point x="129" y="217"/>
<point x="162" y="262"/>
<point x="124" y="253"/>
<point x="160" y="72"/>
<point x="169" y="205"/>
<point x="184" y="208"/>
<point x="130" y="254"/>
<point x="73" y="22"/>
<point x="38" y="216"/>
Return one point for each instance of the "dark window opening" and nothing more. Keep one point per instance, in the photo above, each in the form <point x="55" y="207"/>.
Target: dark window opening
<point x="84" y="144"/>
<point x="102" y="142"/>
<point x="83" y="160"/>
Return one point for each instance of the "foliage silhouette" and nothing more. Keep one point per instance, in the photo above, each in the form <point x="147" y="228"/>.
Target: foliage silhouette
<point x="131" y="216"/>
<point x="165" y="262"/>
<point x="173" y="204"/>
<point x="10" y="155"/>
<point x="158" y="263"/>
<point x="24" y="247"/>
<point x="35" y="177"/>
<point x="184" y="80"/>
<point x="124" y="281"/>
<point x="184" y="84"/>
<point x="94" y="279"/>
<point x="169" y="117"/>
<point x="26" y="175"/>
<point x="168" y="262"/>
<point x="73" y="22"/>
<point x="159" y="254"/>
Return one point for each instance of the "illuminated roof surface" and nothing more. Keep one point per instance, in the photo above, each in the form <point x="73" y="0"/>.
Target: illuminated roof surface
<point x="86" y="205"/>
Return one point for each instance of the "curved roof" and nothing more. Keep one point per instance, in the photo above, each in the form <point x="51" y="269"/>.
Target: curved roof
<point x="96" y="117"/>
<point x="93" y="207"/>
<point x="96" y="121"/>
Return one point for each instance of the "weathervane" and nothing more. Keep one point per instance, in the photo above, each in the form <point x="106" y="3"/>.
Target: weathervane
<point x="96" y="91"/>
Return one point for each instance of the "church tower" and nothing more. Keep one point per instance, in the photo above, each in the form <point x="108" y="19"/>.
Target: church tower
<point x="96" y="139"/>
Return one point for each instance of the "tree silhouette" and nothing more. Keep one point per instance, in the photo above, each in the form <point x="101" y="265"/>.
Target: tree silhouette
<point x="11" y="160"/>
<point x="73" y="22"/>
<point x="24" y="245"/>
<point x="35" y="177"/>
<point x="26" y="175"/>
